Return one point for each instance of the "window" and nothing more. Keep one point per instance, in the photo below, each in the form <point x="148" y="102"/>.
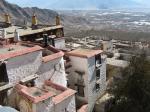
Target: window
<point x="98" y="74"/>
<point x="68" y="83"/>
<point x="3" y="72"/>
<point x="98" y="59"/>
<point x="66" y="110"/>
<point x="80" y="90"/>
<point x="80" y="83"/>
<point x="30" y="83"/>
<point x="51" y="41"/>
<point x="97" y="87"/>
<point x="45" y="39"/>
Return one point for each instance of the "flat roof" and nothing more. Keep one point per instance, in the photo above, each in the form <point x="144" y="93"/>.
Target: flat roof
<point x="48" y="90"/>
<point x="117" y="63"/>
<point x="62" y="92"/>
<point x="33" y="94"/>
<point x="11" y="51"/>
<point x="22" y="32"/>
<point x="84" y="53"/>
<point x="11" y="48"/>
<point x="56" y="54"/>
<point x="49" y="53"/>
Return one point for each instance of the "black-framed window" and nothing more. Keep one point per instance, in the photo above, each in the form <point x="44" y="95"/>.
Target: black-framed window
<point x="68" y="84"/>
<point x="66" y="110"/>
<point x="51" y="41"/>
<point x="98" y="74"/>
<point x="97" y="86"/>
<point x="80" y="90"/>
<point x="3" y="72"/>
<point x="98" y="59"/>
<point x="80" y="83"/>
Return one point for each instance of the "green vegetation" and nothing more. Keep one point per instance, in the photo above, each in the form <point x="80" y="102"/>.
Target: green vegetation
<point x="132" y="90"/>
<point x="111" y="34"/>
<point x="112" y="71"/>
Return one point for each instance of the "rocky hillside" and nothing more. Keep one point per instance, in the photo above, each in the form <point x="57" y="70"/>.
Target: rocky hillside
<point x="19" y="14"/>
<point x="45" y="16"/>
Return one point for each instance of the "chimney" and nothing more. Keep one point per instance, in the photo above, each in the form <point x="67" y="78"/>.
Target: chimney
<point x="57" y="20"/>
<point x="7" y="19"/>
<point x="34" y="21"/>
<point x="16" y="36"/>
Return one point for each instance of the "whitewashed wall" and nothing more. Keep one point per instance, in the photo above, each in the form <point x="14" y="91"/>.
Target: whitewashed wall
<point x="29" y="64"/>
<point x="79" y="64"/>
<point x="92" y="93"/>
<point x="68" y="104"/>
<point x="88" y="66"/>
<point x="53" y="70"/>
<point x="46" y="106"/>
<point x="60" y="43"/>
<point x="22" y="66"/>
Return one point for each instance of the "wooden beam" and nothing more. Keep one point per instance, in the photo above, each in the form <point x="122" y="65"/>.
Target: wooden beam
<point x="29" y="78"/>
<point x="5" y="87"/>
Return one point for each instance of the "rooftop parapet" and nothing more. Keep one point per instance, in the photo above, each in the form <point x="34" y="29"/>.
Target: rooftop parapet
<point x="84" y="53"/>
<point x="19" y="49"/>
<point x="33" y="94"/>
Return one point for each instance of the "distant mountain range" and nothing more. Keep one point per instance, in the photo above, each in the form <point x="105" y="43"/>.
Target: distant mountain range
<point x="79" y="4"/>
<point x="45" y="16"/>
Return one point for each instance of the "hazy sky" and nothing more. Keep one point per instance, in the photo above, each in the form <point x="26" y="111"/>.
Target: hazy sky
<point x="51" y="3"/>
<point x="143" y="1"/>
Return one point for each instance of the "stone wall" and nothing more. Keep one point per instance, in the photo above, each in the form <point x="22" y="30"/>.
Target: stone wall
<point x="49" y="106"/>
<point x="46" y="106"/>
<point x="67" y="105"/>
<point x="22" y="66"/>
